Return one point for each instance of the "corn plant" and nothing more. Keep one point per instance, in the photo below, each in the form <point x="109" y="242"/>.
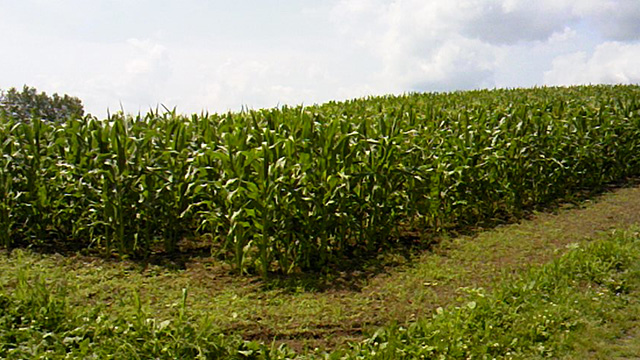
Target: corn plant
<point x="300" y="188"/>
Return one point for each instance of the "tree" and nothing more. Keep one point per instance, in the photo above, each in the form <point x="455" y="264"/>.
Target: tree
<point x="28" y="104"/>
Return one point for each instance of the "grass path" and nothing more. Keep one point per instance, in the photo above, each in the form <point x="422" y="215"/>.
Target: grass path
<point x="353" y="305"/>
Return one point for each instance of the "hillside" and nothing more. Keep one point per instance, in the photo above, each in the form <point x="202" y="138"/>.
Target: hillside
<point x="496" y="223"/>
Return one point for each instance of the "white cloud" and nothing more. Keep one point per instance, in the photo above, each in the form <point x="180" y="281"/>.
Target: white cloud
<point x="619" y="20"/>
<point x="610" y="63"/>
<point x="151" y="58"/>
<point x="219" y="82"/>
<point x="421" y="43"/>
<point x="512" y="21"/>
<point x="459" y="63"/>
<point x="567" y="34"/>
<point x="447" y="45"/>
<point x="222" y="55"/>
<point x="138" y="77"/>
<point x="536" y="20"/>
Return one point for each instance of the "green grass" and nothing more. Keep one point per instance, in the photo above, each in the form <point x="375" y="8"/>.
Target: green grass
<point x="55" y="305"/>
<point x="549" y="311"/>
<point x="545" y="312"/>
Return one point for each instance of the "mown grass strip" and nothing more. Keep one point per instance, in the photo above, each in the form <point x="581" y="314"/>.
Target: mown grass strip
<point x="540" y="314"/>
<point x="544" y="312"/>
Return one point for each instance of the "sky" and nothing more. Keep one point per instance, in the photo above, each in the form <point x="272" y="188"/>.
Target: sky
<point x="217" y="56"/>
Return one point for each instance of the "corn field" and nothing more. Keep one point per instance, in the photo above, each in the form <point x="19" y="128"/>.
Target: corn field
<point x="296" y="188"/>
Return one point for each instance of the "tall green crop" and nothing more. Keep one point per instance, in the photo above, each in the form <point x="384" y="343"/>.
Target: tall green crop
<point x="300" y="188"/>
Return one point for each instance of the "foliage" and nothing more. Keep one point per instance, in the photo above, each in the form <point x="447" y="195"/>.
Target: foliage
<point x="298" y="188"/>
<point x="27" y="104"/>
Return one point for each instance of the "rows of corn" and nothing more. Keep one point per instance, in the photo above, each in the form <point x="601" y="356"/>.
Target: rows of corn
<point x="296" y="188"/>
